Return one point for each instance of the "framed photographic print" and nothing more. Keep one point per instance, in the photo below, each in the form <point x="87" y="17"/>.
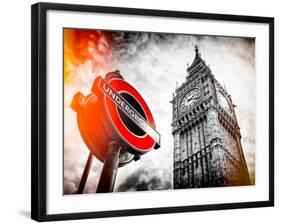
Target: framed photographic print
<point x="138" y="111"/>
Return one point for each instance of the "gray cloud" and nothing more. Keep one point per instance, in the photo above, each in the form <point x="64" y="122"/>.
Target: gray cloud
<point x="73" y="170"/>
<point x="145" y="179"/>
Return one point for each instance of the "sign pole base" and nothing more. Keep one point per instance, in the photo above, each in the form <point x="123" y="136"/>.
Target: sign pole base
<point x="109" y="170"/>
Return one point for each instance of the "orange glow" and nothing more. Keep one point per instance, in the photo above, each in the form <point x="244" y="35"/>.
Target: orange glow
<point x="81" y="46"/>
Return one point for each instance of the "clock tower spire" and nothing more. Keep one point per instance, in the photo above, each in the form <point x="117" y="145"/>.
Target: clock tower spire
<point x="197" y="64"/>
<point x="196" y="49"/>
<point x="207" y="140"/>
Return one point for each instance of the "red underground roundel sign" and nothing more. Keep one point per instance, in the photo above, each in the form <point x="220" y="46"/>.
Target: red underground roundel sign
<point x="129" y="114"/>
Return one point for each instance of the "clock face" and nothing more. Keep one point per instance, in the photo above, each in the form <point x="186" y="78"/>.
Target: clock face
<point x="189" y="99"/>
<point x="224" y="102"/>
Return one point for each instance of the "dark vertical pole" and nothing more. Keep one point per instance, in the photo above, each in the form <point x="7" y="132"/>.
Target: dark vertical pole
<point x="109" y="170"/>
<point x="85" y="174"/>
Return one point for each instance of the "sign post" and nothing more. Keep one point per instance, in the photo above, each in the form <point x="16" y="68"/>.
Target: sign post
<point x="109" y="170"/>
<point x="85" y="174"/>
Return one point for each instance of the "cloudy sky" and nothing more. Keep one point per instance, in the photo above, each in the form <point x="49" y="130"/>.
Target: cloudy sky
<point x="153" y="63"/>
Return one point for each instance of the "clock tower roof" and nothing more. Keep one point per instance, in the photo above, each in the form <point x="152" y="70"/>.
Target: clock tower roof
<point x="196" y="60"/>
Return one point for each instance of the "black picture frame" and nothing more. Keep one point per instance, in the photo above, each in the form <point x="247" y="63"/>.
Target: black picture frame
<point x="39" y="107"/>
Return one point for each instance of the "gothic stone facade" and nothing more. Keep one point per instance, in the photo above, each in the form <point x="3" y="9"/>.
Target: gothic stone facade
<point x="207" y="140"/>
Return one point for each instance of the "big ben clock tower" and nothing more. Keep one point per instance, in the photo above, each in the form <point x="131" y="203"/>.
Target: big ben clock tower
<point x="207" y="139"/>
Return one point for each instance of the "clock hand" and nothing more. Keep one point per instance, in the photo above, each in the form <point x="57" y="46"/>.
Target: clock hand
<point x="189" y="98"/>
<point x="187" y="102"/>
<point x="197" y="97"/>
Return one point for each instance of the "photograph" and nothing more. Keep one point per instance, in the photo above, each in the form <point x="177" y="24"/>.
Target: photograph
<point x="146" y="111"/>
